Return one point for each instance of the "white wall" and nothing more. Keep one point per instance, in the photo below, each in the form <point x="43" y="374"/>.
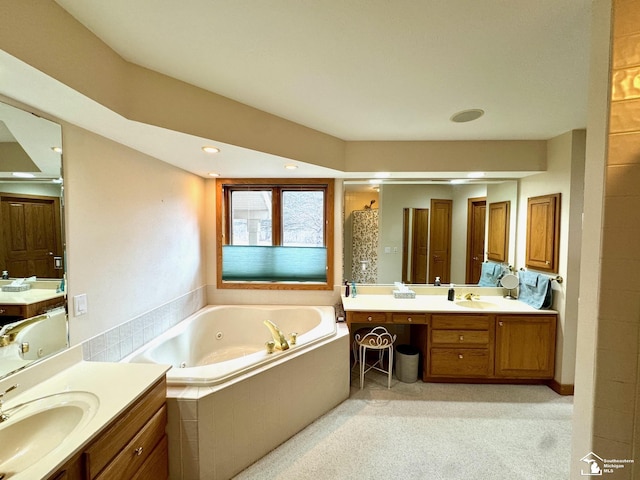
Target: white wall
<point x="134" y="231"/>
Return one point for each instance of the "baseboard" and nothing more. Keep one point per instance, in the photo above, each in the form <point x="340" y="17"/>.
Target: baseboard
<point x="559" y="388"/>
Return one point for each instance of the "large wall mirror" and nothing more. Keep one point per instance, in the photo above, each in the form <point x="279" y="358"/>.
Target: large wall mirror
<point x="389" y="232"/>
<point x="33" y="320"/>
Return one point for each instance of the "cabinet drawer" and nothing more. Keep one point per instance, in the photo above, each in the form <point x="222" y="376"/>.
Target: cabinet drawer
<point x="461" y="337"/>
<point x="409" y="318"/>
<point x="134" y="454"/>
<point x="460" y="322"/>
<point x="115" y="438"/>
<point x="460" y="362"/>
<point x="369" y="317"/>
<point x="11" y="311"/>
<point x="156" y="467"/>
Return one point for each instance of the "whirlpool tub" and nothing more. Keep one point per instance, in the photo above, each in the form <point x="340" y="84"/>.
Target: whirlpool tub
<point x="220" y="342"/>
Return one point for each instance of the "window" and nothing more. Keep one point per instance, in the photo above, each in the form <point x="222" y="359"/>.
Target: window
<point x="275" y="233"/>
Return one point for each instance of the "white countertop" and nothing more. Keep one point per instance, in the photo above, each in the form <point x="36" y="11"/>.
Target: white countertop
<point x="117" y="386"/>
<point x="33" y="295"/>
<point x="437" y="304"/>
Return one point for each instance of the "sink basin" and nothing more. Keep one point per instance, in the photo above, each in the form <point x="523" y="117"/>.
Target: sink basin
<point x="36" y="428"/>
<point x="477" y="304"/>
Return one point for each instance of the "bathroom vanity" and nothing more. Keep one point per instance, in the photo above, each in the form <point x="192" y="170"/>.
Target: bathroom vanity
<point x="490" y="339"/>
<point x="76" y="420"/>
<point x="29" y="303"/>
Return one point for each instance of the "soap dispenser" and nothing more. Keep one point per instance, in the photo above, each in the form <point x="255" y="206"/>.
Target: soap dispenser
<point x="452" y="293"/>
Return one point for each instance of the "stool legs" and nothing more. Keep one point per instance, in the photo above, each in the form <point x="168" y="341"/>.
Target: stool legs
<point x="362" y="352"/>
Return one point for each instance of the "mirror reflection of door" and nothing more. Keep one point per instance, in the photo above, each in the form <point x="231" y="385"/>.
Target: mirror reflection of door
<point x="476" y="218"/>
<point x="440" y="240"/>
<point x="416" y="247"/>
<point x="31" y="240"/>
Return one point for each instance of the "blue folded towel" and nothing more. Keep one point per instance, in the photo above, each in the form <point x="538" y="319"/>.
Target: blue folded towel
<point x="535" y="290"/>
<point x="489" y="274"/>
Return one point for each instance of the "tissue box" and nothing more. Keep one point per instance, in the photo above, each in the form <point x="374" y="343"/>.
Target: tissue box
<point x="408" y="294"/>
<point x="16" y="288"/>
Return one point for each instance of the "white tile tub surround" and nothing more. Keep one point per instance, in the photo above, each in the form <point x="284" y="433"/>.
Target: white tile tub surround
<point x="217" y="431"/>
<point x="118" y="342"/>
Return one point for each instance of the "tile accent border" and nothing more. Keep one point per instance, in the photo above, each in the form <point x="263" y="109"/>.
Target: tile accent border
<point x="115" y="344"/>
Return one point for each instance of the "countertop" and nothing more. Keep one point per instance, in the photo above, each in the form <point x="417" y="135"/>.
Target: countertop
<point x="28" y="297"/>
<point x="116" y="385"/>
<point x="437" y="304"/>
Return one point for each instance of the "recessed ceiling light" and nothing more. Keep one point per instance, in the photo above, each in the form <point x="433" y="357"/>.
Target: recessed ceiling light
<point x="57" y="149"/>
<point x="213" y="174"/>
<point x="210" y="149"/>
<point x="290" y="166"/>
<point x="475" y="174"/>
<point x="23" y="175"/>
<point x="467" y="115"/>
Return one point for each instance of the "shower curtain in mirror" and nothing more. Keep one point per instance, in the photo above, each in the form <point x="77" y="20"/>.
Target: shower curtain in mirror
<point x="364" y="258"/>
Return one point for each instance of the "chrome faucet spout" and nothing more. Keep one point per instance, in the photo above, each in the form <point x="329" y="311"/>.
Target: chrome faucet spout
<point x="278" y="337"/>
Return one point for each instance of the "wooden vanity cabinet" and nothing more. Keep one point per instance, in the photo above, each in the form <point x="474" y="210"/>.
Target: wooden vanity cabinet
<point x="460" y="346"/>
<point x="491" y="347"/>
<point x="134" y="446"/>
<point x="525" y="346"/>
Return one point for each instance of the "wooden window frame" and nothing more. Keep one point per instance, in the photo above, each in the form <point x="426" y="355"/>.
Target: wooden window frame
<point x="224" y="187"/>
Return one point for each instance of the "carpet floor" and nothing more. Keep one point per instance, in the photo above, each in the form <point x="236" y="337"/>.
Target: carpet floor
<point x="431" y="431"/>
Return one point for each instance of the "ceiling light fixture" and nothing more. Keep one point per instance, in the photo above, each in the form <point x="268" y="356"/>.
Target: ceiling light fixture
<point x="290" y="166"/>
<point x="57" y="149"/>
<point x="210" y="149"/>
<point x="213" y="174"/>
<point x="467" y="115"/>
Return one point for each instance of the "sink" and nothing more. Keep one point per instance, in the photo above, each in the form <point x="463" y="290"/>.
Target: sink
<point x="477" y="304"/>
<point x="36" y="428"/>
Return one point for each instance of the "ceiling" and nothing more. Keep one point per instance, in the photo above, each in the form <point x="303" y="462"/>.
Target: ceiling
<point x="367" y="69"/>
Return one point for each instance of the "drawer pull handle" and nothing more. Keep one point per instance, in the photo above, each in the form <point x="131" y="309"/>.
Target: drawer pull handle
<point x="369" y="318"/>
<point x="138" y="451"/>
<point x="462" y="338"/>
<point x="500" y="323"/>
<point x="2" y="310"/>
<point x="460" y="356"/>
<point x="409" y="319"/>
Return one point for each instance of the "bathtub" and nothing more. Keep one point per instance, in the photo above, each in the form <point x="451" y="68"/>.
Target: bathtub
<point x="221" y="342"/>
<point x="229" y="402"/>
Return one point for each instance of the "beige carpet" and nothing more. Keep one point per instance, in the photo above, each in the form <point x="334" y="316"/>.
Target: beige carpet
<point x="430" y="431"/>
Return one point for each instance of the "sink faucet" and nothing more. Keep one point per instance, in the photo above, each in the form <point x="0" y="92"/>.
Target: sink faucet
<point x="4" y="416"/>
<point x="471" y="296"/>
<point x="278" y="337"/>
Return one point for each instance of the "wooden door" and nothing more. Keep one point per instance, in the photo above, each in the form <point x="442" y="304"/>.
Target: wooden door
<point x="498" y="244"/>
<point x="440" y="241"/>
<point x="31" y="236"/>
<point x="476" y="219"/>
<point x="420" y="245"/>
<point x="543" y="232"/>
<point x="525" y="346"/>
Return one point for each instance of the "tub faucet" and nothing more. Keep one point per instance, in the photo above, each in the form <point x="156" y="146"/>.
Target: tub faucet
<point x="278" y="337"/>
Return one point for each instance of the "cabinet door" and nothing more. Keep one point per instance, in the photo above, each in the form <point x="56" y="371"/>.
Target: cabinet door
<point x="525" y="346"/>
<point x="543" y="232"/>
<point x="498" y="244"/>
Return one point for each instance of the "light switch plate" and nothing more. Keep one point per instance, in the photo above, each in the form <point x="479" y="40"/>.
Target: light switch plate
<point x="80" y="305"/>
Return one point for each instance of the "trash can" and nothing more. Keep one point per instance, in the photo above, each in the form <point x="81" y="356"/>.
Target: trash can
<point x="407" y="358"/>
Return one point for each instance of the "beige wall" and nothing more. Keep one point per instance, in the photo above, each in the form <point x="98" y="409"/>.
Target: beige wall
<point x="607" y="413"/>
<point x="134" y="231"/>
<point x="563" y="153"/>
